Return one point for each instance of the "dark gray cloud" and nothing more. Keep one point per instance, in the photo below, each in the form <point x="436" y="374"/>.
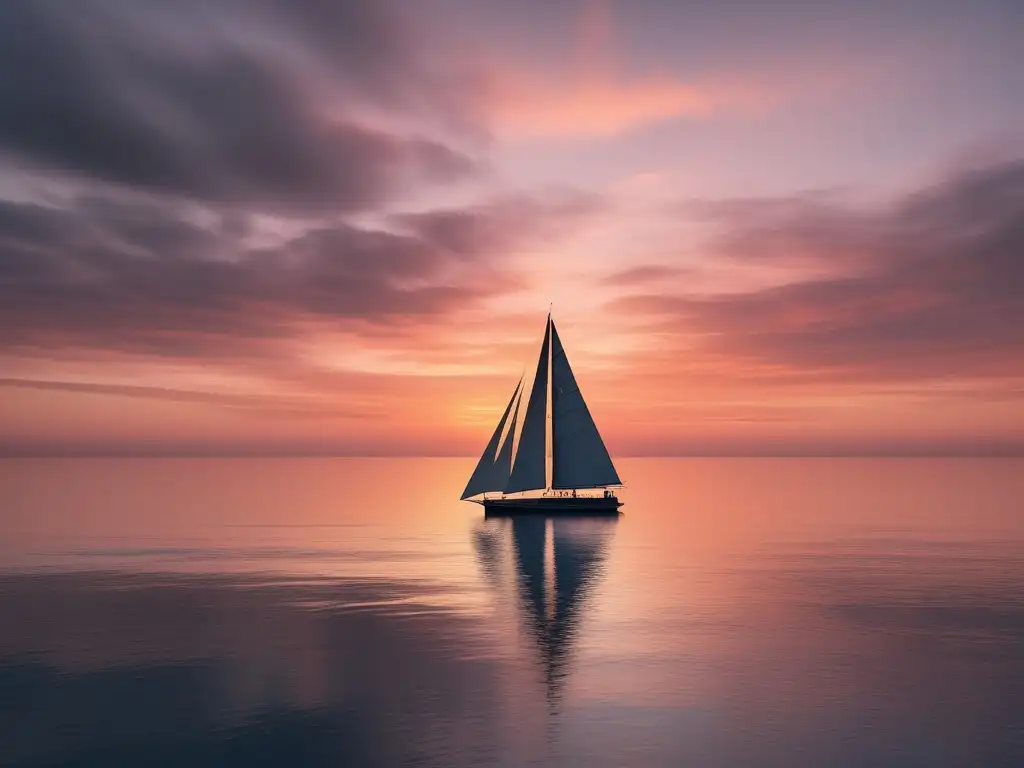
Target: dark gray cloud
<point x="230" y="103"/>
<point x="933" y="285"/>
<point x="145" y="278"/>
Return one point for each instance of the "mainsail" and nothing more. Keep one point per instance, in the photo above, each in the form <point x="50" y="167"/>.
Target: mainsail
<point x="579" y="458"/>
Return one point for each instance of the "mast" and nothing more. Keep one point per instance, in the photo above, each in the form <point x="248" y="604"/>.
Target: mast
<point x="549" y="435"/>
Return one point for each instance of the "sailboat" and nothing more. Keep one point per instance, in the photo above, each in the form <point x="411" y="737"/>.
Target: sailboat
<point x="560" y="464"/>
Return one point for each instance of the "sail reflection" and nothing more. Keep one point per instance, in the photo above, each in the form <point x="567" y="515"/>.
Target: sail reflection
<point x="551" y="584"/>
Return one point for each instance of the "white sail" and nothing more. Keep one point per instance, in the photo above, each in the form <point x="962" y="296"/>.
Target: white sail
<point x="529" y="472"/>
<point x="579" y="458"/>
<point x="492" y="470"/>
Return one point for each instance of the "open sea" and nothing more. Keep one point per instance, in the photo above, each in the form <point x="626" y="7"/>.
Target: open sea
<point x="351" y="612"/>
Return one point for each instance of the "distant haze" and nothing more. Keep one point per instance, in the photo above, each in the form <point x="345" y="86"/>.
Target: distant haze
<point x="333" y="228"/>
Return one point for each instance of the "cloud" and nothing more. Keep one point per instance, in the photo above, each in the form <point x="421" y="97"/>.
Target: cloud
<point x="932" y="286"/>
<point x="134" y="277"/>
<point x="242" y="104"/>
<point x="486" y="227"/>
<point x="525" y="105"/>
<point x="273" y="405"/>
<point x="644" y="274"/>
<point x="143" y="278"/>
<point x="595" y="95"/>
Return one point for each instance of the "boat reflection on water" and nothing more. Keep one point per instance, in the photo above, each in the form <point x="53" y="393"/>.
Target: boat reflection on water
<point x="556" y="563"/>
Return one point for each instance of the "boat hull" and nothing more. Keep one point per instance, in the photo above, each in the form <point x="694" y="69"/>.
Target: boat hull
<point x="552" y="505"/>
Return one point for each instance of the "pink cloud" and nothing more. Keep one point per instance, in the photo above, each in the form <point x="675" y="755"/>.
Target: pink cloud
<point x="596" y="95"/>
<point x="529" y="105"/>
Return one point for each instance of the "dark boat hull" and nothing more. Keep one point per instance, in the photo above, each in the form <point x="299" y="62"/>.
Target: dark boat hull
<point x="553" y="505"/>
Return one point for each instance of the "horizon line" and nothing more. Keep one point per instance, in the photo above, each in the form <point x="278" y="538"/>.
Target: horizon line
<point x="1016" y="452"/>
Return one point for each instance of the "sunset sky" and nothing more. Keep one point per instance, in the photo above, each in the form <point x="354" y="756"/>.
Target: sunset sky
<point x="336" y="226"/>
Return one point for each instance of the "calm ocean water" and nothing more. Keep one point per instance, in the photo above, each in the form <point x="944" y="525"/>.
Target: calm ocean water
<point x="742" y="612"/>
